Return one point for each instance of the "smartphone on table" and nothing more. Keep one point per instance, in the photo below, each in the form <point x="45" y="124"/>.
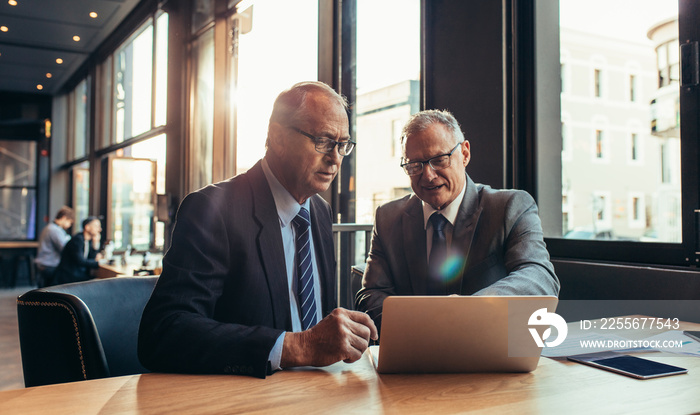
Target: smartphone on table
<point x="627" y="365"/>
<point x="695" y="335"/>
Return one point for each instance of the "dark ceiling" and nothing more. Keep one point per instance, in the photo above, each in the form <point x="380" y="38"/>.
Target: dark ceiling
<point x="41" y="31"/>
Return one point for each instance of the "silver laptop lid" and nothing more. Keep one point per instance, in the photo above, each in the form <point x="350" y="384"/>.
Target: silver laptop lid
<point x="458" y="334"/>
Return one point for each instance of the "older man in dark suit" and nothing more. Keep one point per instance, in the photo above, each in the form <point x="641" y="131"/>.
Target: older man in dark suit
<point x="248" y="286"/>
<point x="453" y="236"/>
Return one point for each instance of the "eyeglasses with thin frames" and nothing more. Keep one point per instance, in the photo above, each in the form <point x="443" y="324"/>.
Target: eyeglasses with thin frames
<point x="325" y="145"/>
<point x="440" y="162"/>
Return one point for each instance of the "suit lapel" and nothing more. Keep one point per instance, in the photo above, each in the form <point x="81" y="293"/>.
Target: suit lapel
<point x="269" y="240"/>
<point x="465" y="225"/>
<point x="414" y="245"/>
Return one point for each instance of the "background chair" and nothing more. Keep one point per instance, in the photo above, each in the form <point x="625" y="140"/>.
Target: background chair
<point x="81" y="331"/>
<point x="357" y="271"/>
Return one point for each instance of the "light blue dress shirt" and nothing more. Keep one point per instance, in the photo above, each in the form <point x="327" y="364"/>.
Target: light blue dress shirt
<point x="287" y="209"/>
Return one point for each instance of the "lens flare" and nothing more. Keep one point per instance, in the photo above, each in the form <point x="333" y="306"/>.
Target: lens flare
<point x="452" y="268"/>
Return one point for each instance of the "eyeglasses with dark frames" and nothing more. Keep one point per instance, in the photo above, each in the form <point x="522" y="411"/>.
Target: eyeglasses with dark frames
<point x="325" y="145"/>
<point x="440" y="162"/>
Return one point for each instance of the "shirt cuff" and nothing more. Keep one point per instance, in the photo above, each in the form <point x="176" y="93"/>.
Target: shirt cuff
<point x="275" y="357"/>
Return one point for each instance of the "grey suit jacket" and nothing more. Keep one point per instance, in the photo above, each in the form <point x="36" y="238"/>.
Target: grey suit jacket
<point x="498" y="233"/>
<point x="222" y="299"/>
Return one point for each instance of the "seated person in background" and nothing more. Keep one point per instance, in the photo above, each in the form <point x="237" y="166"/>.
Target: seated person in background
<point x="81" y="253"/>
<point x="452" y="236"/>
<point x="51" y="242"/>
<point x="248" y="284"/>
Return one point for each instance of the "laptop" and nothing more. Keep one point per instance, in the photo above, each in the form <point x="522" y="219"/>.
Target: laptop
<point x="459" y="334"/>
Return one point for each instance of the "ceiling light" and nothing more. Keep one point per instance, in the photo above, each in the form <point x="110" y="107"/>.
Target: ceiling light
<point x="40" y="87"/>
<point x="59" y="61"/>
<point x="48" y="75"/>
<point x="76" y="38"/>
<point x="3" y="29"/>
<point x="93" y="14"/>
<point x="12" y="2"/>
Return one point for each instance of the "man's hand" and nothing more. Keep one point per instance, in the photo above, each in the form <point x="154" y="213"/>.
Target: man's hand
<point x="342" y="335"/>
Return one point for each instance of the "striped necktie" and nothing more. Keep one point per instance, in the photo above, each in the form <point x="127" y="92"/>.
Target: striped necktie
<point x="305" y="287"/>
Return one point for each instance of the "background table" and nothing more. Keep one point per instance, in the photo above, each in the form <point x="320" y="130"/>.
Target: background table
<point x="17" y="257"/>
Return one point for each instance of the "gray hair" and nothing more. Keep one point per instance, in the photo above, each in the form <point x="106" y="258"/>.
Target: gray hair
<point x="290" y="104"/>
<point x="424" y="119"/>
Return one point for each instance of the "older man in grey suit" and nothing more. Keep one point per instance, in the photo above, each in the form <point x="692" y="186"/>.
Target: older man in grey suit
<point x="453" y="236"/>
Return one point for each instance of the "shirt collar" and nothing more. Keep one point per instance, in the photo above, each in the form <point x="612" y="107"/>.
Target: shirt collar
<point x="287" y="206"/>
<point x="449" y="212"/>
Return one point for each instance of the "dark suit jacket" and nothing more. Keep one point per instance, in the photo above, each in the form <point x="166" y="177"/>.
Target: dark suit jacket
<point x="222" y="299"/>
<point x="74" y="266"/>
<point x="497" y="233"/>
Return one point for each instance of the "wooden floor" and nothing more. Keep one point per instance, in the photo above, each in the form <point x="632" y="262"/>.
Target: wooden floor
<point x="10" y="359"/>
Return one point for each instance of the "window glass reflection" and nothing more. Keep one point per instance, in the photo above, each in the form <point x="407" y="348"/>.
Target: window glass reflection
<point x="133" y="83"/>
<point x="132" y="207"/>
<point x="620" y="103"/>
<point x="104" y="102"/>
<point x="268" y="34"/>
<point x="18" y="161"/>
<point x="200" y="155"/>
<point x="80" y="120"/>
<point x="388" y="69"/>
<point x="202" y="14"/>
<point x="17" y="190"/>
<point x="161" y="86"/>
<point x="81" y="193"/>
<point x="154" y="149"/>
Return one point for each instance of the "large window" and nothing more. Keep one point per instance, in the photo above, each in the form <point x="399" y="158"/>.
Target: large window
<point x="80" y="193"/>
<point x="615" y="189"/>
<point x="388" y="93"/>
<point x="161" y="70"/>
<point x="132" y="85"/>
<point x="200" y="156"/>
<point x="133" y="70"/>
<point x="629" y="167"/>
<point x="79" y="143"/>
<point x="132" y="203"/>
<point x="266" y="59"/>
<point x="17" y="190"/>
<point x="154" y="150"/>
<point x="130" y="101"/>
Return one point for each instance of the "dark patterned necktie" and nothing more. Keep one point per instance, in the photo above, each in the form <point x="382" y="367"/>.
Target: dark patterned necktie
<point x="438" y="254"/>
<point x="305" y="288"/>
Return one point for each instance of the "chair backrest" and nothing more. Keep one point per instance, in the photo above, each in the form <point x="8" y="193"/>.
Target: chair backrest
<point x="84" y="330"/>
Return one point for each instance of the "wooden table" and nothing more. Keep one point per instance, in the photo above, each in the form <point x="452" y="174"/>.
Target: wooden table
<point x="134" y="264"/>
<point x="18" y="244"/>
<point x="555" y="387"/>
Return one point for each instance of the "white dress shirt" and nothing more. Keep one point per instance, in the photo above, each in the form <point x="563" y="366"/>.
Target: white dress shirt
<point x="449" y="212"/>
<point x="287" y="209"/>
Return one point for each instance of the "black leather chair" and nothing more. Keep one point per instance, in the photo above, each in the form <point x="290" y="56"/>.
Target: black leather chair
<point x="81" y="331"/>
<point x="357" y="271"/>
